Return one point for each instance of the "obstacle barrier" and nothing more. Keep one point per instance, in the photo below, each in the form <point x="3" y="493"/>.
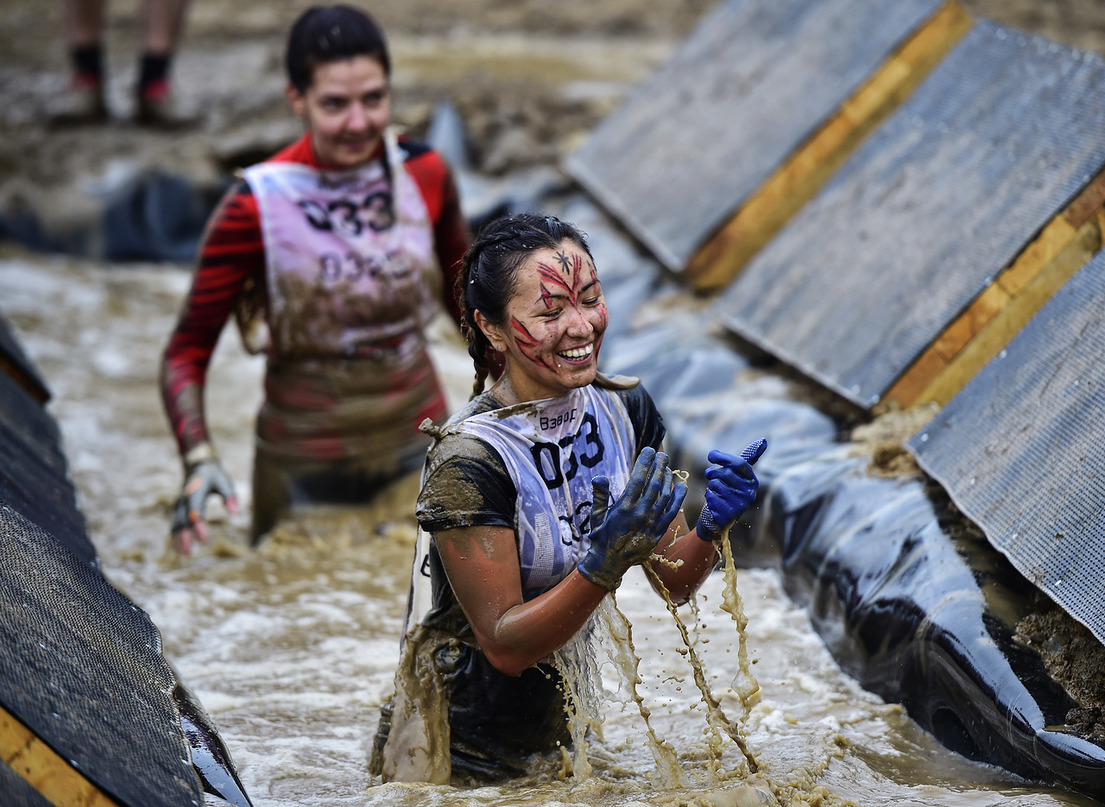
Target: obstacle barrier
<point x="91" y="713"/>
<point x="1018" y="449"/>
<point x="944" y="254"/>
<point x="750" y="116"/>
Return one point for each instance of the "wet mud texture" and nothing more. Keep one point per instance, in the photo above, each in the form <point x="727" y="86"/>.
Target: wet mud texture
<point x="530" y="82"/>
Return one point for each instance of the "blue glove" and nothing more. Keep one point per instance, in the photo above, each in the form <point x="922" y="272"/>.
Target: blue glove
<point x="625" y="534"/>
<point x="731" y="487"/>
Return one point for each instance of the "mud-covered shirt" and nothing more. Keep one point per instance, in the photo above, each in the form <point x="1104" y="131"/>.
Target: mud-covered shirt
<point x="530" y="469"/>
<point x="496" y="721"/>
<point x="231" y="279"/>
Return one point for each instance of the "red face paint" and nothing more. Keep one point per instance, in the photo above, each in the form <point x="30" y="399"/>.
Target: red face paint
<point x="557" y="318"/>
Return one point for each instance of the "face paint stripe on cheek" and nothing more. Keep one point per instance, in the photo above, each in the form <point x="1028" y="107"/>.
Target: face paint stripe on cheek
<point x="526" y="343"/>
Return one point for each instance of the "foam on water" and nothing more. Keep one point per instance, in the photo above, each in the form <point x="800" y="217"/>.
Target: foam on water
<point x="292" y="647"/>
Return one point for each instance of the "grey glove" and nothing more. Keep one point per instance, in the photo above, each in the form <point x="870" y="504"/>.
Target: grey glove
<point x="202" y="478"/>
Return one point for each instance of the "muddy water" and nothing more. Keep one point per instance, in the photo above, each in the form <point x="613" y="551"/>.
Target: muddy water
<point x="292" y="647"/>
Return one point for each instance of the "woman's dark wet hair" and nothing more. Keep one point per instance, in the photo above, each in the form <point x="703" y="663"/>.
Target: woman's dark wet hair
<point x="487" y="279"/>
<point x="324" y="34"/>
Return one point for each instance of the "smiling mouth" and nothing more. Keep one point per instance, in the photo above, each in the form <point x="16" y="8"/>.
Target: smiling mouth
<point x="578" y="353"/>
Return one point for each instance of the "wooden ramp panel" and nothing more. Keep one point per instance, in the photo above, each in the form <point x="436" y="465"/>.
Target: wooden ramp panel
<point x="1019" y="448"/>
<point x="935" y="204"/>
<point x="987" y="325"/>
<point x="755" y="81"/>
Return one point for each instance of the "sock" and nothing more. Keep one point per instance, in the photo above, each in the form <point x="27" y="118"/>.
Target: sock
<point x="88" y="64"/>
<point x="153" y="74"/>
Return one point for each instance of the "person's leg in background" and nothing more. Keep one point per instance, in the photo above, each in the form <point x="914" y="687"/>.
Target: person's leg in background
<point x="162" y="26"/>
<point x="84" y="28"/>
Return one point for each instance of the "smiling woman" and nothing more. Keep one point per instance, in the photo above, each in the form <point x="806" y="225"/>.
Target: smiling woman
<point x="539" y="496"/>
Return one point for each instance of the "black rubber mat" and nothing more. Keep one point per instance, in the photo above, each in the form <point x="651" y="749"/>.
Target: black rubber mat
<point x="82" y="667"/>
<point x="1019" y="449"/>
<point x="926" y="213"/>
<point x="755" y="80"/>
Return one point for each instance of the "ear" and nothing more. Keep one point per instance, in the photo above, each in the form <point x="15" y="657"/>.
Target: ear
<point x="493" y="333"/>
<point x="298" y="102"/>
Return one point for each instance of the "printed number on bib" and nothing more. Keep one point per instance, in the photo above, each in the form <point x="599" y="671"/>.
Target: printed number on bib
<point x="548" y="460"/>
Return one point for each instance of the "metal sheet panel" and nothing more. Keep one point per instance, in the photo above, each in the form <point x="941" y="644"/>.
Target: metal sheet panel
<point x="81" y="666"/>
<point x="924" y="215"/>
<point x="34" y="474"/>
<point x="1019" y="449"/>
<point x="755" y="79"/>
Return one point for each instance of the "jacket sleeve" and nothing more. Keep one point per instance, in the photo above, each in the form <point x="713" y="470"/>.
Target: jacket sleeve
<point x="232" y="252"/>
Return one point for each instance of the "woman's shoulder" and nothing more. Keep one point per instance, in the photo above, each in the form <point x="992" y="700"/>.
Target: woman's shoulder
<point x="424" y="162"/>
<point x="484" y="402"/>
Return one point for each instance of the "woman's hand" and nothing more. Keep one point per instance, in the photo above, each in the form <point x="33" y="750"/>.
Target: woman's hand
<point x="731" y="487"/>
<point x="202" y="479"/>
<point x="626" y="534"/>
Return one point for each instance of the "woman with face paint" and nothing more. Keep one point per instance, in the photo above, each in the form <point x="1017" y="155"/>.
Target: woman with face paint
<point x="330" y="254"/>
<point x="538" y="496"/>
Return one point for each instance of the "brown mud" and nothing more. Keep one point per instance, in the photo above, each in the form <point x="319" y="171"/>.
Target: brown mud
<point x="529" y="79"/>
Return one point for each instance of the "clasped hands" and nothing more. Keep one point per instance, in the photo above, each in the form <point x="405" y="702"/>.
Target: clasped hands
<point x="625" y="534"/>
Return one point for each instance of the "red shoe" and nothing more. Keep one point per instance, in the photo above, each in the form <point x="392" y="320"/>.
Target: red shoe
<point x="159" y="108"/>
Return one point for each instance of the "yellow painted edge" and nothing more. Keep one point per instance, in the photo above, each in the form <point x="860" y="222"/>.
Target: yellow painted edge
<point x="936" y="375"/>
<point x="53" y="777"/>
<point x="724" y="254"/>
<point x="993" y="337"/>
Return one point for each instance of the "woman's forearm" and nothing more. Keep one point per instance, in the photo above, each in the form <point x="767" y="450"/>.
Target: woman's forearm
<point x="532" y="630"/>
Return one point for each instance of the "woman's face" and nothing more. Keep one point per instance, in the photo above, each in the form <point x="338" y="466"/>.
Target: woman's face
<point x="346" y="108"/>
<point x="554" y="325"/>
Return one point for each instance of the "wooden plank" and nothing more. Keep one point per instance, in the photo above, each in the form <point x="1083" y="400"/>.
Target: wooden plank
<point x="1063" y="247"/>
<point x="58" y="781"/>
<point x="723" y="255"/>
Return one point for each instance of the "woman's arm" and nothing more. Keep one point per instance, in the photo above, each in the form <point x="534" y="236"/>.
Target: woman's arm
<point x="232" y="252"/>
<point x="690" y="561"/>
<point x="482" y="566"/>
<point x="731" y="487"/>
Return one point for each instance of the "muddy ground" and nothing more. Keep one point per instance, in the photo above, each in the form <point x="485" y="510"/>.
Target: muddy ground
<point x="529" y="77"/>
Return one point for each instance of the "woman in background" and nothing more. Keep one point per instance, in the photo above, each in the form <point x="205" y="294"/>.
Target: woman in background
<point x="331" y="254"/>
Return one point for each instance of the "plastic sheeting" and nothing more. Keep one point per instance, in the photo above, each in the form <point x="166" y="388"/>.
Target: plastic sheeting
<point x="755" y="80"/>
<point x="1019" y="448"/>
<point x="926" y="213"/>
<point x="908" y="597"/>
<point x="923" y="612"/>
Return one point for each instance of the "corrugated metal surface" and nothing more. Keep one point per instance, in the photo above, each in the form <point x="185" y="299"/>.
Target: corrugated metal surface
<point x="923" y="216"/>
<point x="754" y="80"/>
<point x="1019" y="449"/>
<point x="34" y="474"/>
<point x="82" y="667"/>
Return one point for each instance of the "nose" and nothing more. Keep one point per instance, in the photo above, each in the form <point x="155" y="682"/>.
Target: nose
<point x="579" y="325"/>
<point x="357" y="119"/>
